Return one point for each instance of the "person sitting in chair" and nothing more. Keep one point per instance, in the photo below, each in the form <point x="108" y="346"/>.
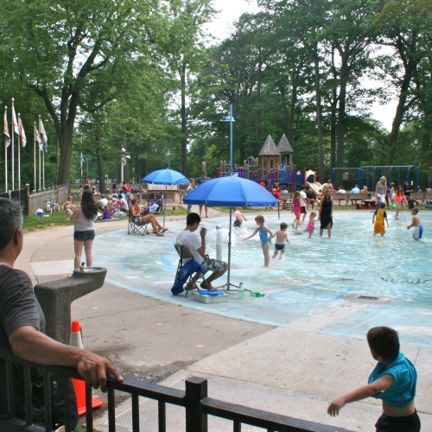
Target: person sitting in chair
<point x="197" y="248"/>
<point x="147" y="218"/>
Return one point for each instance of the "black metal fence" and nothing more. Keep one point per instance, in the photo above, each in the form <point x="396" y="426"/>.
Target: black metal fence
<point x="198" y="406"/>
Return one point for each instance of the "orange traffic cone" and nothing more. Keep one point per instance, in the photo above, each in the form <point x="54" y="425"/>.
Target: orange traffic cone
<point x="79" y="384"/>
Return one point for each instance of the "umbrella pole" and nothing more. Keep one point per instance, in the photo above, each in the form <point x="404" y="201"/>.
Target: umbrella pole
<point x="229" y="251"/>
<point x="278" y="210"/>
<point x="164" y="206"/>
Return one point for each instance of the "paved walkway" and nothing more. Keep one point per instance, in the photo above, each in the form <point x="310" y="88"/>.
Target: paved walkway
<point x="293" y="370"/>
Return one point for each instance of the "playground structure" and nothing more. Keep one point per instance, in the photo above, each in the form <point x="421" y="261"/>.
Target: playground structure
<point x="274" y="165"/>
<point x="369" y="175"/>
<point x="290" y="176"/>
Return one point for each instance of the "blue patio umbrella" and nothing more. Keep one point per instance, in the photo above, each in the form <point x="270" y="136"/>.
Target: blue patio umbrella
<point x="231" y="191"/>
<point x="165" y="177"/>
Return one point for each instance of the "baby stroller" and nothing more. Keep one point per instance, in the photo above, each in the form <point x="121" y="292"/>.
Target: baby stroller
<point x="155" y="204"/>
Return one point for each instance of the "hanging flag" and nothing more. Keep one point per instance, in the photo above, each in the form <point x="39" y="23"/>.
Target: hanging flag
<point x="6" y="129"/>
<point x="21" y="132"/>
<point x="14" y="120"/>
<point x="37" y="138"/>
<point x="43" y="136"/>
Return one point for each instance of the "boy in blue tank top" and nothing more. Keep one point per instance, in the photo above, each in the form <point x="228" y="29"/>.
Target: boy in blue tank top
<point x="393" y="380"/>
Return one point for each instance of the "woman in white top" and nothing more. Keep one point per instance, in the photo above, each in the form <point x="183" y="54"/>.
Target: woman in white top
<point x="84" y="216"/>
<point x="381" y="190"/>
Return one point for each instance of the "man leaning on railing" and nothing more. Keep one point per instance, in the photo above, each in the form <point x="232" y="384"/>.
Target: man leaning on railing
<point x="22" y="322"/>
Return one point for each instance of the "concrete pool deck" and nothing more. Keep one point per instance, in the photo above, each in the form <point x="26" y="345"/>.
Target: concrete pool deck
<point x="293" y="370"/>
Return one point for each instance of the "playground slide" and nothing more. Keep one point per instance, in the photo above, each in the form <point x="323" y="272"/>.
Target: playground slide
<point x="315" y="186"/>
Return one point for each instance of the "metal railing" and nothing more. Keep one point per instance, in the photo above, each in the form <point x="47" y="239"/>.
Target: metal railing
<point x="198" y="406"/>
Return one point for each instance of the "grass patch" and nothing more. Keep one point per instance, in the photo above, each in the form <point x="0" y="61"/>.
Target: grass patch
<point x="32" y="222"/>
<point x="174" y="210"/>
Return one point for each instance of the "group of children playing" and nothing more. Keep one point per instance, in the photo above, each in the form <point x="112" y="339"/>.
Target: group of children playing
<point x="380" y="216"/>
<point x="266" y="234"/>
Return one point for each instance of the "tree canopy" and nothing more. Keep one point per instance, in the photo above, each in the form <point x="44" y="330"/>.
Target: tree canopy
<point x="143" y="77"/>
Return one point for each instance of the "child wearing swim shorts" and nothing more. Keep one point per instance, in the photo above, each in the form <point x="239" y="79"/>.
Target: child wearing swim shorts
<point x="393" y="380"/>
<point x="416" y="223"/>
<point x="281" y="239"/>
<point x="265" y="234"/>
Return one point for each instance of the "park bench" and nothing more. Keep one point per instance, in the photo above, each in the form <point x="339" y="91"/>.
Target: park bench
<point x="341" y="197"/>
<point x="357" y="199"/>
<point x="421" y="197"/>
<point x="362" y="201"/>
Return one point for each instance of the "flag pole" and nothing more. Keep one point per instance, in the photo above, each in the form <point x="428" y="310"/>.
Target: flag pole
<point x="44" y="141"/>
<point x="40" y="171"/>
<point x="19" y="156"/>
<point x="13" y="146"/>
<point x="43" y="169"/>
<point x="34" y="157"/>
<point x="6" y="145"/>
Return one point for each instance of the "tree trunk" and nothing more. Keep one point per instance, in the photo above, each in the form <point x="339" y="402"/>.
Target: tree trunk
<point x="65" y="155"/>
<point x="333" y="110"/>
<point x="100" y="163"/>
<point x="340" y="129"/>
<point x="320" y="140"/>
<point x="258" y="123"/>
<point x="183" y="115"/>
<point x="291" y="118"/>
<point x="400" y="111"/>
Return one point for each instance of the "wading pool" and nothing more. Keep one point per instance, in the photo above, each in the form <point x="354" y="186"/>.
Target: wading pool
<point x="377" y="280"/>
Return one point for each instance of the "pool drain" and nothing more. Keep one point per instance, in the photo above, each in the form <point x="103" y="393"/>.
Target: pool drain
<point x="366" y="297"/>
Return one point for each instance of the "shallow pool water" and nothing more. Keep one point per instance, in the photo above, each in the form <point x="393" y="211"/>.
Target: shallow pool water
<point x="390" y="276"/>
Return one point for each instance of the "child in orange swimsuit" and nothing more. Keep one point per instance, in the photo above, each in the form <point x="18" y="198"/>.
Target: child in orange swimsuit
<point x="378" y="219"/>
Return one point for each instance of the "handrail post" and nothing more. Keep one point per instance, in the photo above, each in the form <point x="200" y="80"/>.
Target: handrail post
<point x="196" y="390"/>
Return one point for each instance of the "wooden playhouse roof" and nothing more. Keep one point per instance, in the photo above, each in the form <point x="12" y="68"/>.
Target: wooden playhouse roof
<point x="284" y="145"/>
<point x="269" y="148"/>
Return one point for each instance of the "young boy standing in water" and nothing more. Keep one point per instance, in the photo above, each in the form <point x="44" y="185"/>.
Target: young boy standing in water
<point x="281" y="239"/>
<point x="393" y="380"/>
<point x="415" y="222"/>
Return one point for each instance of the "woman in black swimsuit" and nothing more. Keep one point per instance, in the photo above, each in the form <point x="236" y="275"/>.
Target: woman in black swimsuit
<point x="325" y="214"/>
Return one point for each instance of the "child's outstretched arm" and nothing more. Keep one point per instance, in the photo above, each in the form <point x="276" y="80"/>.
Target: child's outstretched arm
<point x="360" y="393"/>
<point x="249" y="237"/>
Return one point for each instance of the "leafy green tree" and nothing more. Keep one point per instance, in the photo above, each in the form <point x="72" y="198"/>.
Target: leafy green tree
<point x="55" y="48"/>
<point x="182" y="48"/>
<point x="349" y="33"/>
<point x="300" y="25"/>
<point x="403" y="25"/>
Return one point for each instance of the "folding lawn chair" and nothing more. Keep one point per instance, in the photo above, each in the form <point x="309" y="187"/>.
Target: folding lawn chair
<point x="186" y="268"/>
<point x="136" y="226"/>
